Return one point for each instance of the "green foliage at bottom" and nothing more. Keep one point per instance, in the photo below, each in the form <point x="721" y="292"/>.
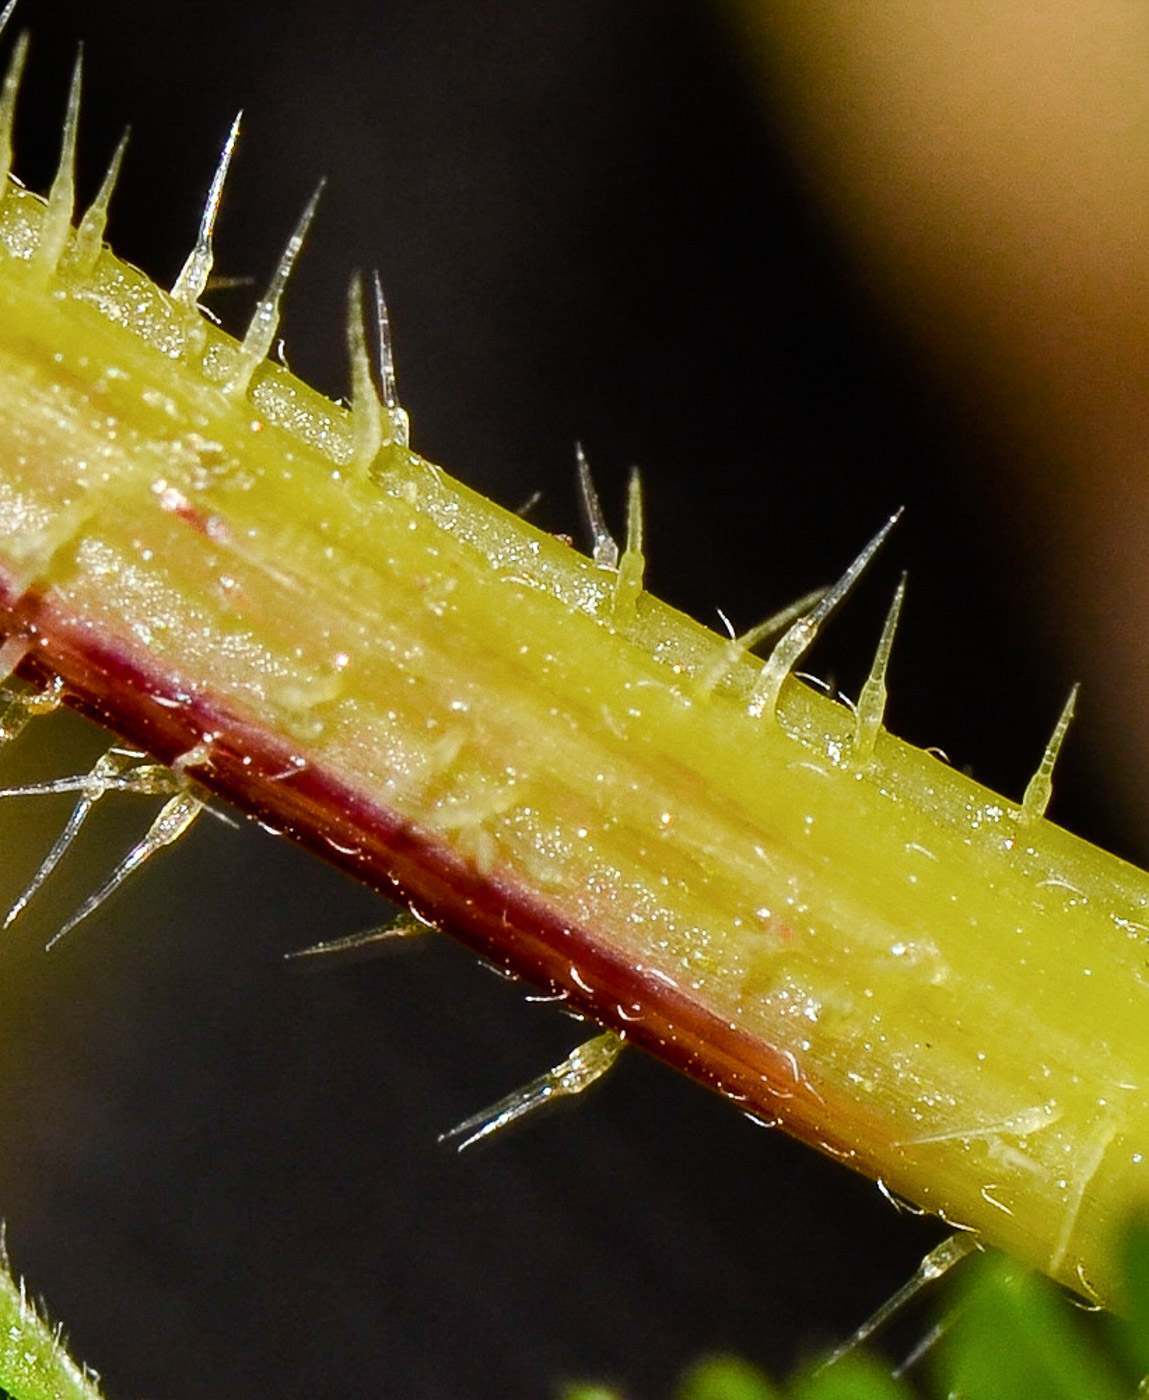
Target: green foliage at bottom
<point x="1007" y="1334"/>
<point x="34" y="1363"/>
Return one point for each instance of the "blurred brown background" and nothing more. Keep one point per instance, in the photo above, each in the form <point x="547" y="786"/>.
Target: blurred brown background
<point x="223" y="1173"/>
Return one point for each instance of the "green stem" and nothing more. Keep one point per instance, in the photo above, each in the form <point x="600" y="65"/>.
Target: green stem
<point x="827" y="925"/>
<point x="34" y="1363"/>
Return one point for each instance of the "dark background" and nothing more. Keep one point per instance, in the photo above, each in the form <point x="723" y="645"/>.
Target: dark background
<point x="222" y="1173"/>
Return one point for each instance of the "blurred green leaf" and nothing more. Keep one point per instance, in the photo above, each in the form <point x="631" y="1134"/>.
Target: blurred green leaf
<point x="854" y="1377"/>
<point x="1011" y="1335"/>
<point x="725" y="1378"/>
<point x="1131" y="1328"/>
<point x="1016" y="1338"/>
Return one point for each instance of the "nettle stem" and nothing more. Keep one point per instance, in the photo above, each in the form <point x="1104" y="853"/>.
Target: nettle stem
<point x="275" y="596"/>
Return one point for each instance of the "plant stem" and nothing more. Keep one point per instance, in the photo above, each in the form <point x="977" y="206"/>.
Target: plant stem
<point x="34" y="1361"/>
<point x="830" y="927"/>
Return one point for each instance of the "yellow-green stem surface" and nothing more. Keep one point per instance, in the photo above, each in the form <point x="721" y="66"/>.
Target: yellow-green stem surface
<point x="879" y="954"/>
